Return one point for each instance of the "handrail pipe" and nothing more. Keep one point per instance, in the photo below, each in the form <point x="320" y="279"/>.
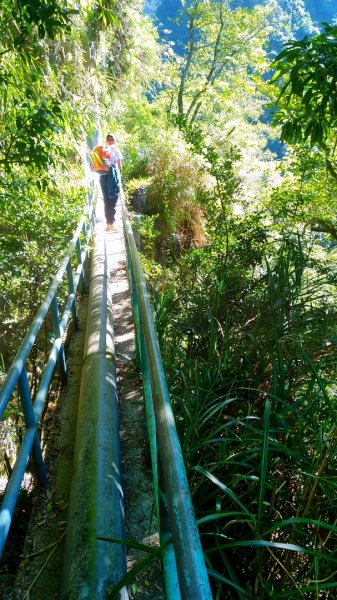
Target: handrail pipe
<point x="189" y="559"/>
<point x="93" y="566"/>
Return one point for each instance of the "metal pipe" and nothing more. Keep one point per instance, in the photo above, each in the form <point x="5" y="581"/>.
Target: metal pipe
<point x="71" y="288"/>
<point x="14" y="484"/>
<point x="32" y="416"/>
<point x="192" y="573"/>
<point x="55" y="315"/>
<point x="27" y="408"/>
<point x="169" y="561"/>
<point x="92" y="566"/>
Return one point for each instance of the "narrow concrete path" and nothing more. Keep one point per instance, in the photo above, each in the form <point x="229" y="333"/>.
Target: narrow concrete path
<point x="140" y="521"/>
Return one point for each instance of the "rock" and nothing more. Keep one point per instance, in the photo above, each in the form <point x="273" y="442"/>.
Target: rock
<point x="138" y="199"/>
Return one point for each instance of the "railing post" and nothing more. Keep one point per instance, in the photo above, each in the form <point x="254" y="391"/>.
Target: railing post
<point x="134" y="302"/>
<point x="91" y="227"/>
<point x="79" y="260"/>
<point x="169" y="558"/>
<point x="30" y="422"/>
<point x="57" y="332"/>
<point x="136" y="316"/>
<point x="72" y="291"/>
<point x="13" y="487"/>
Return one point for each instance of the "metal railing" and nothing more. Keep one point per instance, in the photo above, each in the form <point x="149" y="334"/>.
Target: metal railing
<point x="184" y="567"/>
<point x="17" y="375"/>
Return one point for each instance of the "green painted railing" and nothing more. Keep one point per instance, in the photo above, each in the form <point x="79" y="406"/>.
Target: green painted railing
<point x="18" y="377"/>
<point x="184" y="567"/>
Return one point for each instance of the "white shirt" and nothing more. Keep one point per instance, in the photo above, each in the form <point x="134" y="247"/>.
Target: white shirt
<point x="115" y="155"/>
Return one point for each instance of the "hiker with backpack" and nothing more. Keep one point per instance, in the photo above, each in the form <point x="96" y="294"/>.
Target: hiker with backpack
<point x="107" y="161"/>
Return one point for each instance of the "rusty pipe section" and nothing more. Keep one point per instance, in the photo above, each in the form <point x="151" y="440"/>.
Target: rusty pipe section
<point x="92" y="566"/>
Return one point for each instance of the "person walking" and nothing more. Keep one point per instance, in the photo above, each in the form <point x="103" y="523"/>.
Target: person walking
<point x="117" y="152"/>
<point x="106" y="159"/>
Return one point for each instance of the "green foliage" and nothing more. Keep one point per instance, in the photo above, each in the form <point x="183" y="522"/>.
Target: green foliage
<point x="48" y="17"/>
<point x="249" y="359"/>
<point x="306" y="198"/>
<point x="146" y="228"/>
<point x="28" y="139"/>
<point x="218" y="160"/>
<point x="222" y="45"/>
<point x="216" y="91"/>
<point x="143" y="127"/>
<point x="104" y="11"/>
<point x="24" y="24"/>
<point x="307" y="105"/>
<point x="175" y="177"/>
<point x="173" y="189"/>
<point x="55" y="79"/>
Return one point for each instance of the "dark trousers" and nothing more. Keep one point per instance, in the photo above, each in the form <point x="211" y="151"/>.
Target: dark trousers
<point x="109" y="203"/>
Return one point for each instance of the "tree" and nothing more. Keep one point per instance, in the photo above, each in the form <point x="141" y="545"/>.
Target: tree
<point x="306" y="107"/>
<point x="222" y="43"/>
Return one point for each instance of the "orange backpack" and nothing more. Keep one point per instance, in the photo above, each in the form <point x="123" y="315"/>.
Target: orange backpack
<point x="100" y="158"/>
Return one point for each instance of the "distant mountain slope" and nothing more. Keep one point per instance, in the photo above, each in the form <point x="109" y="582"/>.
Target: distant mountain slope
<point x="304" y="16"/>
<point x="150" y="7"/>
<point x="317" y="10"/>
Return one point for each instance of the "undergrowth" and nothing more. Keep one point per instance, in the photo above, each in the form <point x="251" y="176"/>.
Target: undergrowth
<point x="248" y="339"/>
<point x="12" y="556"/>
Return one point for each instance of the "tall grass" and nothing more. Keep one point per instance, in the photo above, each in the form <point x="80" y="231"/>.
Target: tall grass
<point x="252" y="371"/>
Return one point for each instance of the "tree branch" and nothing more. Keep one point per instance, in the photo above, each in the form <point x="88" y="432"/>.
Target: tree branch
<point x="209" y="77"/>
<point x="215" y="72"/>
<point x="191" y="48"/>
<point x="330" y="168"/>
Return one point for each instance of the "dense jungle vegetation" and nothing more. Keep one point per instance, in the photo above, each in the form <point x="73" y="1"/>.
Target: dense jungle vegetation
<point x="238" y="245"/>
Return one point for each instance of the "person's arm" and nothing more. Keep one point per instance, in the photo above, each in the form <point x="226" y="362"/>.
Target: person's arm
<point x="119" y="157"/>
